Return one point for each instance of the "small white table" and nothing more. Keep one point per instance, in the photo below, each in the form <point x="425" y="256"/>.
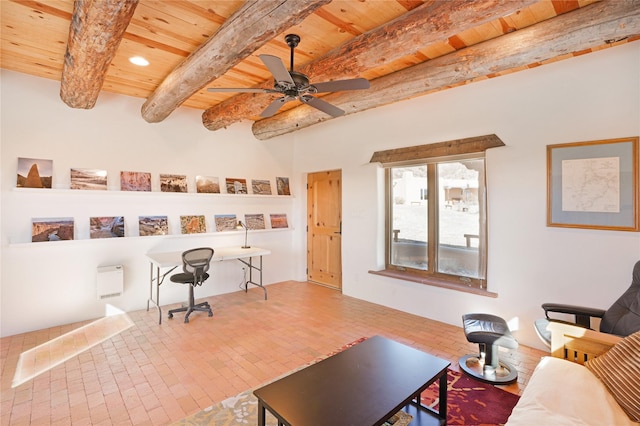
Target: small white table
<point x="173" y="259"/>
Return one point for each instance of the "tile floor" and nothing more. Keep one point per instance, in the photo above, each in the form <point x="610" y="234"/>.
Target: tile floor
<point x="152" y="374"/>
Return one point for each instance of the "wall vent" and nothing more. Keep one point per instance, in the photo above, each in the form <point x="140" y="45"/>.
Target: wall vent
<point x="110" y="282"/>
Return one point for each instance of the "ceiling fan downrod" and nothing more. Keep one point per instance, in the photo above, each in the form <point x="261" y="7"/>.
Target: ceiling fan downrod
<point x="292" y="41"/>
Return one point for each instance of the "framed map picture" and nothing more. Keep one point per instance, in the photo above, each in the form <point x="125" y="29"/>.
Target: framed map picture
<point x="593" y="185"/>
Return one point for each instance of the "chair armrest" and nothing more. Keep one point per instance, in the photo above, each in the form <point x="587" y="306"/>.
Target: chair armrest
<point x="582" y="314"/>
<point x="579" y="344"/>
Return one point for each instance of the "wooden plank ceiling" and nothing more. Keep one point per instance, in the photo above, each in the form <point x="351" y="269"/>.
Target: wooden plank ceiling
<point x="405" y="48"/>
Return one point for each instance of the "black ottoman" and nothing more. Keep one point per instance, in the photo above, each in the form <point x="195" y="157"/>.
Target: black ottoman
<point x="489" y="332"/>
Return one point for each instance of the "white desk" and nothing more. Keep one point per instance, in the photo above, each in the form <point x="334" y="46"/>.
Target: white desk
<point x="173" y="259"/>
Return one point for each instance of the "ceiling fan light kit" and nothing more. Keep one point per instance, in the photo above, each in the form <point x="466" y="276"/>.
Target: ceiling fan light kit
<point x="293" y="85"/>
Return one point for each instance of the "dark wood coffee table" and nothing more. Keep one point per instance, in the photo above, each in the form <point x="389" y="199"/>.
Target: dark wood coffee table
<point x="363" y="385"/>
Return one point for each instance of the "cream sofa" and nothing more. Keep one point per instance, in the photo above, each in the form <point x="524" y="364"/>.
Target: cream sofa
<point x="562" y="391"/>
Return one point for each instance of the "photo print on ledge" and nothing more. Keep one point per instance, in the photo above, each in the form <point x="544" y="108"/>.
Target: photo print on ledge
<point x="106" y="227"/>
<point x="261" y="186"/>
<point x="254" y="221"/>
<point x="192" y="225"/>
<point x="236" y="186"/>
<point x="226" y="222"/>
<point x="90" y="179"/>
<point x="173" y="183"/>
<point x="279" y="220"/>
<point x="34" y="173"/>
<point x="283" y="185"/>
<point x="153" y="225"/>
<point x="52" y="229"/>
<point x="207" y="184"/>
<point x="135" y="181"/>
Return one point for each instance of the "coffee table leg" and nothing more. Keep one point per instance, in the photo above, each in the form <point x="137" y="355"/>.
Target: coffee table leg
<point x="442" y="405"/>
<point x="261" y="414"/>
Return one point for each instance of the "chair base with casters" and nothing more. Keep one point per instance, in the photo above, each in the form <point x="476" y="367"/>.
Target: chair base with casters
<point x="192" y="306"/>
<point x="195" y="266"/>
<point x="489" y="332"/>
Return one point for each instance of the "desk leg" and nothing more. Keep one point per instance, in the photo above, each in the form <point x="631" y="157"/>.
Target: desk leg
<point x="250" y="280"/>
<point x="158" y="280"/>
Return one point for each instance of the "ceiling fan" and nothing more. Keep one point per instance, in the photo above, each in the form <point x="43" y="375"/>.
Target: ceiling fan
<point x="294" y="85"/>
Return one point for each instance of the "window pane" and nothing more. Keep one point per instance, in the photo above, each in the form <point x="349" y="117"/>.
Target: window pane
<point x="409" y="217"/>
<point x="459" y="217"/>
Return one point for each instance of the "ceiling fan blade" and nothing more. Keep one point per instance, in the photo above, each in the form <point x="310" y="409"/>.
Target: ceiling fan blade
<point x="339" y="85"/>
<point x="239" y="89"/>
<point x="277" y="68"/>
<point x="274" y="107"/>
<point x="321" y="105"/>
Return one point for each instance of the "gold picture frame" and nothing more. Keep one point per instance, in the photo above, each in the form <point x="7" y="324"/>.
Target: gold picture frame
<point x="594" y="185"/>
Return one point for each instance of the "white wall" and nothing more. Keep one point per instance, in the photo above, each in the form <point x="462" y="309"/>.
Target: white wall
<point x="47" y="284"/>
<point x="591" y="97"/>
<point x="595" y="96"/>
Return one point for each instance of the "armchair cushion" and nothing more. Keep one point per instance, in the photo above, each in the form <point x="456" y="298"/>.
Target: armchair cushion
<point x="619" y="370"/>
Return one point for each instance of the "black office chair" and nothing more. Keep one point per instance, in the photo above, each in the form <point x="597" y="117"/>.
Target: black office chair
<point x="195" y="264"/>
<point x="622" y="318"/>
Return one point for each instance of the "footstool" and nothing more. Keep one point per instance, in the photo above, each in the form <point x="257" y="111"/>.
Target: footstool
<point x="489" y="332"/>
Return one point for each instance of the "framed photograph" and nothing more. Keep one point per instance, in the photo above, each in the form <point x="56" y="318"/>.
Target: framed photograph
<point x="51" y="229"/>
<point x="593" y="185"/>
<point x="106" y="227"/>
<point x="93" y="179"/>
<point x="34" y="173"/>
<point x="173" y="183"/>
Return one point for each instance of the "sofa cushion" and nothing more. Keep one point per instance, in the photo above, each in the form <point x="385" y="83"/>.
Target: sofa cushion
<point x="619" y="370"/>
<point x="563" y="393"/>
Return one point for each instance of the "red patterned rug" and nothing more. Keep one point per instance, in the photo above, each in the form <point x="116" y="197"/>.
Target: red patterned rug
<point x="471" y="402"/>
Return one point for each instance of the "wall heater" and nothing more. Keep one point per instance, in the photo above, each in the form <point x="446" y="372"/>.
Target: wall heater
<point x="110" y="281"/>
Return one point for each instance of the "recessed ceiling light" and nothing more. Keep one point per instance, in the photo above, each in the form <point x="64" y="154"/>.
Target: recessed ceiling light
<point x="139" y="60"/>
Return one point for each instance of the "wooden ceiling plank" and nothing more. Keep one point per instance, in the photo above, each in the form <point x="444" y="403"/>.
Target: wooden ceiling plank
<point x="95" y="33"/>
<point x="576" y="31"/>
<point x="424" y="25"/>
<point x="255" y="23"/>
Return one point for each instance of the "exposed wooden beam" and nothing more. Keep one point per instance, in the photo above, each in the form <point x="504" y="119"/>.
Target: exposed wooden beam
<point x="97" y="27"/>
<point x="253" y="25"/>
<point x="439" y="149"/>
<point x="424" y="25"/>
<point x="576" y="31"/>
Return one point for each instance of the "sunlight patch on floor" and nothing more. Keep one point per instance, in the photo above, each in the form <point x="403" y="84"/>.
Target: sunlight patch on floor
<point x="44" y="357"/>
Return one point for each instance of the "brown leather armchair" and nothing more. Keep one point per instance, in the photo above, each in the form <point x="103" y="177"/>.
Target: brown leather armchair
<point x="622" y="318"/>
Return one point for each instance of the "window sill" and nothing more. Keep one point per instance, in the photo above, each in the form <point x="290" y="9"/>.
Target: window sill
<point x="432" y="281"/>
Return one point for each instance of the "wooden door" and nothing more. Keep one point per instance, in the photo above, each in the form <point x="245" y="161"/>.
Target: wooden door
<point x="324" y="228"/>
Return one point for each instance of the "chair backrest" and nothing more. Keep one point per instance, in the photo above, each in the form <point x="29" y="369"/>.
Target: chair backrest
<point x="197" y="261"/>
<point x="623" y="317"/>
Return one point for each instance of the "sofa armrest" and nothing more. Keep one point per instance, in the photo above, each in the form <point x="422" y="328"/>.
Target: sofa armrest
<point x="578" y="344"/>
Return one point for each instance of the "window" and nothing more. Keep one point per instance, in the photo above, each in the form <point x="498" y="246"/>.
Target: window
<point x="438" y="231"/>
<point x="436" y="213"/>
